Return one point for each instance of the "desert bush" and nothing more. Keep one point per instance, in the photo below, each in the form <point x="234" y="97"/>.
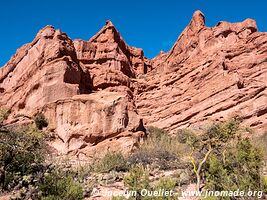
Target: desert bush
<point x="186" y="136"/>
<point x="219" y="134"/>
<point x="166" y="184"/>
<point x="82" y="171"/>
<point x="154" y="132"/>
<point x="264" y="183"/>
<point x="222" y="160"/>
<point x="111" y="162"/>
<point x="240" y="168"/>
<point x="60" y="185"/>
<point x="159" y="149"/>
<point x="21" y="154"/>
<point x="40" y="121"/>
<point x="50" y="183"/>
<point x="212" y="140"/>
<point x="137" y="180"/>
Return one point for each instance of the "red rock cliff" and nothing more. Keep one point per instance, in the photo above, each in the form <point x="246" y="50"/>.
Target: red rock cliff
<point x="210" y="74"/>
<point x="95" y="93"/>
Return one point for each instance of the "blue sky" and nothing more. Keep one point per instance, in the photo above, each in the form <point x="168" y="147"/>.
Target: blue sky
<point x="151" y="25"/>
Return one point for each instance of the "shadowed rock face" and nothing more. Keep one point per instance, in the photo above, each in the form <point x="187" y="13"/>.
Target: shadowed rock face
<point x="95" y="93"/>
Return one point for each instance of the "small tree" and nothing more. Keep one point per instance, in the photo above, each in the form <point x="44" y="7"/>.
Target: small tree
<point x="214" y="139"/>
<point x="239" y="169"/>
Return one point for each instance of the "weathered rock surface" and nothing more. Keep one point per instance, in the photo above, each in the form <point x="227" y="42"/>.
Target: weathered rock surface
<point x="110" y="61"/>
<point x="41" y="72"/>
<point x="59" y="77"/>
<point x="95" y="93"/>
<point x="86" y="124"/>
<point x="210" y="74"/>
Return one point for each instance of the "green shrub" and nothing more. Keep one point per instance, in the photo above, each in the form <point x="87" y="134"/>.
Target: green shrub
<point x="186" y="136"/>
<point x="239" y="168"/>
<point x="220" y="133"/>
<point x="59" y="185"/>
<point x="82" y="171"/>
<point x="111" y="162"/>
<point x="212" y="140"/>
<point x="264" y="183"/>
<point x="22" y="168"/>
<point x="21" y="153"/>
<point x="166" y="184"/>
<point x="40" y="121"/>
<point x="137" y="180"/>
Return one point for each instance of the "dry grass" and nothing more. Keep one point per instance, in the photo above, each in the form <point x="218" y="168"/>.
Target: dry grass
<point x="260" y="143"/>
<point x="160" y="150"/>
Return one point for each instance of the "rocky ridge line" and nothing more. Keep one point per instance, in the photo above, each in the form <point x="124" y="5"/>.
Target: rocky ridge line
<point x="97" y="94"/>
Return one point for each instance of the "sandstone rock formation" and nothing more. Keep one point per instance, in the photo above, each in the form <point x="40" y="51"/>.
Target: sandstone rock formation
<point x="110" y="61"/>
<point x="95" y="93"/>
<point x="210" y="74"/>
<point x="87" y="124"/>
<point x="41" y="72"/>
<point x="59" y="77"/>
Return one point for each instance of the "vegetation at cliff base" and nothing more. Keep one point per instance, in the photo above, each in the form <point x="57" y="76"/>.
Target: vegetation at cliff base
<point x="160" y="150"/>
<point x="21" y="154"/>
<point x="23" y="170"/>
<point x="223" y="160"/>
<point x="112" y="161"/>
<point x="215" y="158"/>
<point x="59" y="185"/>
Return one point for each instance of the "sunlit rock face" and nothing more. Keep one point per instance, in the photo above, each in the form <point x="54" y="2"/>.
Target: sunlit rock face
<point x="210" y="74"/>
<point x="97" y="94"/>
